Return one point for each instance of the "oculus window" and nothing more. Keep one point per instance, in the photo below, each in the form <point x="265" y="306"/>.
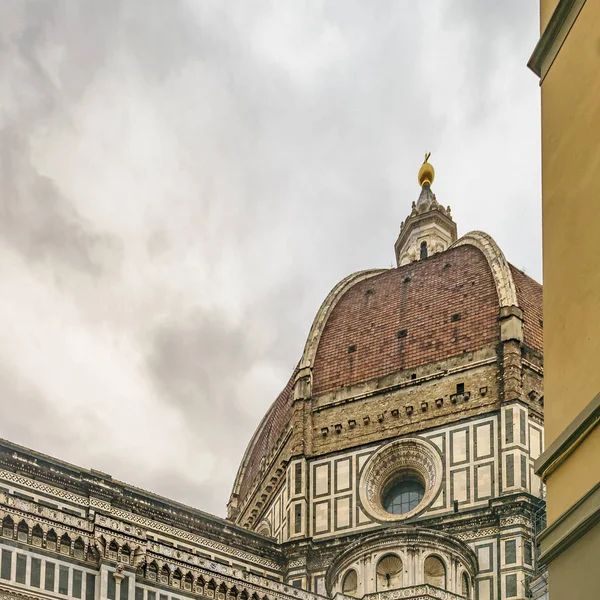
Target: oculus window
<point x="403" y="495"/>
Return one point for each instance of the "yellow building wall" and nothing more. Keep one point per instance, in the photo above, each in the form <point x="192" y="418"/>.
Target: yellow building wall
<point x="571" y="239"/>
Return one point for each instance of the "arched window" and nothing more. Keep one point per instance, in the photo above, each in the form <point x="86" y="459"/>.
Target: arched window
<point x="350" y="585"/>
<point x="79" y="549"/>
<point x="8" y="527"/>
<point x="423" y="249"/>
<point x="465" y="587"/>
<point x="435" y="572"/>
<point x="152" y="571"/>
<point x="23" y="532"/>
<point x="65" y="544"/>
<point x="200" y="583"/>
<point x="188" y="582"/>
<point x="403" y="494"/>
<point x="389" y="573"/>
<point x="113" y="550"/>
<point x="164" y="574"/>
<point x="51" y="540"/>
<point x="37" y="535"/>
<point x="125" y="554"/>
<point x="177" y="578"/>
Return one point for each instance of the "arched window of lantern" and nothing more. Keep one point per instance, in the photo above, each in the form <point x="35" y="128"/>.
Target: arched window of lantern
<point x="465" y="585"/>
<point x="350" y="584"/>
<point x="65" y="544"/>
<point x="37" y="535"/>
<point x="51" y="540"/>
<point x="389" y="573"/>
<point x="23" y="532"/>
<point x="435" y="572"/>
<point x="8" y="527"/>
<point x="423" y="249"/>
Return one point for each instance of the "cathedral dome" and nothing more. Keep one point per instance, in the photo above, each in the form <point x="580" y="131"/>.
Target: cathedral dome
<point x="376" y="324"/>
<point x="381" y="343"/>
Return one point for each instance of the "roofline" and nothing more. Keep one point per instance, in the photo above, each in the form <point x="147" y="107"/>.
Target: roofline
<point x="503" y="279"/>
<point x="102" y="478"/>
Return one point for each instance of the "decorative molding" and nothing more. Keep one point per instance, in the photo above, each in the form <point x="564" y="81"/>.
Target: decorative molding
<point x="554" y="36"/>
<point x="570" y="526"/>
<point x="314" y="336"/>
<point x="415" y="592"/>
<point x="192" y="537"/>
<point x="505" y="285"/>
<point x="38" y="486"/>
<point x="569" y="439"/>
<point x="407" y="454"/>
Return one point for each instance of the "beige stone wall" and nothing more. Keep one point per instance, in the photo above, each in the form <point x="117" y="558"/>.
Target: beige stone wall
<point x="418" y="399"/>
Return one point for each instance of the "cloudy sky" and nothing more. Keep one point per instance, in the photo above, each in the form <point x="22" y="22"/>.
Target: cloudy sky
<point x="182" y="182"/>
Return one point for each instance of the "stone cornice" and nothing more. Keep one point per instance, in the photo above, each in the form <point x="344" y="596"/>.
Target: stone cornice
<point x="46" y="476"/>
<point x="570" y="526"/>
<point x="554" y="35"/>
<point x="569" y="439"/>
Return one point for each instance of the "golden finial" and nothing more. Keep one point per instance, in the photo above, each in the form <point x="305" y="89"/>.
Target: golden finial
<point x="426" y="172"/>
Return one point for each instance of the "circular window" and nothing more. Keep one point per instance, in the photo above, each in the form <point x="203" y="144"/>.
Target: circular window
<point x="403" y="494"/>
<point x="401" y="479"/>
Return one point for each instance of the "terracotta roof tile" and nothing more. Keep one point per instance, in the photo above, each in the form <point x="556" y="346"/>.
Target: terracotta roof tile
<point x="529" y="296"/>
<point x="275" y="424"/>
<point x="409" y="316"/>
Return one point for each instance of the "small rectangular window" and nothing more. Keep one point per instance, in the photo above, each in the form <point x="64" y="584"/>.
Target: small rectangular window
<point x="6" y="565"/>
<point x="77" y="581"/>
<point x="460" y="388"/>
<point x="139" y="593"/>
<point x="510" y="470"/>
<point x="36" y="571"/>
<point x="511" y="586"/>
<point x="21" y="568"/>
<point x="523" y="471"/>
<point x="111" y="588"/>
<point x="63" y="580"/>
<point x="124" y="593"/>
<point x="298" y="518"/>
<point x="527" y="553"/>
<point x="509" y="426"/>
<point x="49" y="581"/>
<point x="523" y="427"/>
<point x="90" y="586"/>
<point x="298" y="477"/>
<point x="510" y="552"/>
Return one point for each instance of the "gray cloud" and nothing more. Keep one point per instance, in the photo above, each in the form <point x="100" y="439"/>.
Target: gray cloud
<point x="217" y="169"/>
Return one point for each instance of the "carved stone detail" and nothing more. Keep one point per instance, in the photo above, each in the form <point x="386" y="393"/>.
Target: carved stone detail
<point x="409" y="454"/>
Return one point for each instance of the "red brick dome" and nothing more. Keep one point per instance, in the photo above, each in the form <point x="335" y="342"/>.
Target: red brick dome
<point x="377" y="323"/>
